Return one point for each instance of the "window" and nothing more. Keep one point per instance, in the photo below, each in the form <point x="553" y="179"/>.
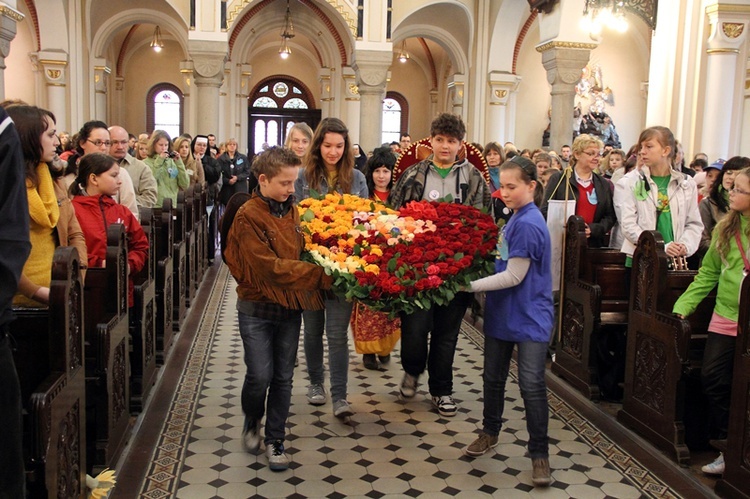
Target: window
<point x="164" y="109"/>
<point x="395" y="117"/>
<point x="281" y="92"/>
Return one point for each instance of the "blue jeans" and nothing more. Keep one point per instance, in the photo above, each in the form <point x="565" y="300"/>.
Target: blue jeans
<point x="335" y="321"/>
<point x="442" y="324"/>
<point x="531" y="364"/>
<point x="270" y="350"/>
<point x="716" y="378"/>
<point x="12" y="479"/>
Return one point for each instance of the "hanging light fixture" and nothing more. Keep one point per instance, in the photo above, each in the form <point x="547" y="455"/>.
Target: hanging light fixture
<point x="156" y="42"/>
<point x="287" y="34"/>
<point x="402" y="55"/>
<point x="600" y="14"/>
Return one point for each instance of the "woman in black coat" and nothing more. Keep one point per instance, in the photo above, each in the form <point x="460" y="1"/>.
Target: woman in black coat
<point x="235" y="171"/>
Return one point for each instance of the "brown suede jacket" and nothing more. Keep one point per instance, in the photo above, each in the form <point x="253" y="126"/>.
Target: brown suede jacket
<point x="263" y="254"/>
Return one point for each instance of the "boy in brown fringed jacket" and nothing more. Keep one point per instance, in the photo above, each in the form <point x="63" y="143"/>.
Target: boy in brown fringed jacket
<point x="273" y="287"/>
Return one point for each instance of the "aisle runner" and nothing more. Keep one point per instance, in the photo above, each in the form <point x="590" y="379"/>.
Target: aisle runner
<point x="389" y="448"/>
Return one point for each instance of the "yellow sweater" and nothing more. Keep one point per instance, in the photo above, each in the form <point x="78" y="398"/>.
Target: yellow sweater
<point x="43" y="216"/>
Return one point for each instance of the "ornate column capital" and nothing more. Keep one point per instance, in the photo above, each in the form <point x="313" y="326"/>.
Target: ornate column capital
<point x="101" y="71"/>
<point x="371" y="70"/>
<point x="564" y="62"/>
<point x="53" y="65"/>
<point x="502" y="84"/>
<point x="208" y="58"/>
<point x="456" y="85"/>
<point x="728" y="28"/>
<point x="9" y="17"/>
<point x="351" y="90"/>
<point x="246" y="73"/>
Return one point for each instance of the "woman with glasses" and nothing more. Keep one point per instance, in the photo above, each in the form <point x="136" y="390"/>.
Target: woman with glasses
<point x="94" y="137"/>
<point x="167" y="167"/>
<point x="591" y="191"/>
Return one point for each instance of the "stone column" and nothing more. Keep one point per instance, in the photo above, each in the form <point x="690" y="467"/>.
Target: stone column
<point x="722" y="106"/>
<point x="189" y="122"/>
<point x="246" y="72"/>
<point x="326" y="91"/>
<point x="53" y="67"/>
<point x="119" y="102"/>
<point x="352" y="104"/>
<point x="226" y="130"/>
<point x="101" y="77"/>
<point x="500" y="122"/>
<point x="456" y="85"/>
<point x="8" y="19"/>
<point x="433" y="103"/>
<point x="563" y="62"/>
<point x="208" y="71"/>
<point x="371" y="68"/>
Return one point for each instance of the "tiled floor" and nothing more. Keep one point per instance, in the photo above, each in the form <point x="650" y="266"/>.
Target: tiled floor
<point x="389" y="448"/>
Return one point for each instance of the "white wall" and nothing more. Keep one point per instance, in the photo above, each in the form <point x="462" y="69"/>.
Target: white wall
<point x="533" y="100"/>
<point x="20" y="81"/>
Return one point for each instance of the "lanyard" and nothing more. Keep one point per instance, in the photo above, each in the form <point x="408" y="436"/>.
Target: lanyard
<point x="742" y="252"/>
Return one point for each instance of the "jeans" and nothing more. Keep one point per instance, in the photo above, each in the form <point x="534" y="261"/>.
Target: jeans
<point x="335" y="321"/>
<point x="12" y="480"/>
<point x="442" y="324"/>
<point x="270" y="350"/>
<point x="716" y="377"/>
<point x="531" y="365"/>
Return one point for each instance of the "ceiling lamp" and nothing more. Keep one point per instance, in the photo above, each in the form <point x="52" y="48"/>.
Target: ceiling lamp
<point x="600" y="14"/>
<point x="287" y="34"/>
<point x="156" y="42"/>
<point x="402" y="55"/>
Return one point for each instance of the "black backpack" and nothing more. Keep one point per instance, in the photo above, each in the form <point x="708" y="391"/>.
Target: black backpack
<point x="227" y="219"/>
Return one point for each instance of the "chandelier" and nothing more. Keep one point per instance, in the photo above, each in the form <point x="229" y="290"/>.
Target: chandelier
<point x="286" y="34"/>
<point x="156" y="42"/>
<point x="600" y="14"/>
<point x="402" y="56"/>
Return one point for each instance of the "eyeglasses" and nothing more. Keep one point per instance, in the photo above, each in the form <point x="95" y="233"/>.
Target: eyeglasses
<point x="592" y="154"/>
<point x="735" y="190"/>
<point x="118" y="142"/>
<point x="99" y="143"/>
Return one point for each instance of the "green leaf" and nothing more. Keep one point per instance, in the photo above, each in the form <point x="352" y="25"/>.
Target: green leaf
<point x="458" y="256"/>
<point x="392" y="265"/>
<point x="341" y="201"/>
<point x="316" y="195"/>
<point x="308" y="215"/>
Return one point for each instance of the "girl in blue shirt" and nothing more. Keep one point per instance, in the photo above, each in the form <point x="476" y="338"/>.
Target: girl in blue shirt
<point x="518" y="311"/>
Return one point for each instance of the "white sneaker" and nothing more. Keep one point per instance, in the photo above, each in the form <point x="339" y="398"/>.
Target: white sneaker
<point x="445" y="405"/>
<point x="316" y="395"/>
<point x="277" y="460"/>
<point x="408" y="386"/>
<point x="716" y="467"/>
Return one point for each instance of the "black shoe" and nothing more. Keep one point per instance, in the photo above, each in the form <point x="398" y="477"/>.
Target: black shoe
<point x="369" y="361"/>
<point x="384" y="359"/>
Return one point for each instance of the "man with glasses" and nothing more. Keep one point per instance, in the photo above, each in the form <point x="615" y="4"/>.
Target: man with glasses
<point x="144" y="183"/>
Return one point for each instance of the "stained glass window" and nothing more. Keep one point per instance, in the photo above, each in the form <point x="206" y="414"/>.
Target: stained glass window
<point x="295" y="103"/>
<point x="264" y="102"/>
<point x="167" y="112"/>
<point x="391" y="121"/>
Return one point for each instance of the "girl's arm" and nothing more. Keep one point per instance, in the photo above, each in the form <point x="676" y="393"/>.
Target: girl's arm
<point x="513" y="274"/>
<point x="704" y="282"/>
<point x="183" y="179"/>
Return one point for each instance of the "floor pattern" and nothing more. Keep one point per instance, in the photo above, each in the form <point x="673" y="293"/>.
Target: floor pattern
<point x="389" y="448"/>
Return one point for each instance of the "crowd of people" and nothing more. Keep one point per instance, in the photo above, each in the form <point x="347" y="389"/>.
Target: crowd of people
<point x="77" y="185"/>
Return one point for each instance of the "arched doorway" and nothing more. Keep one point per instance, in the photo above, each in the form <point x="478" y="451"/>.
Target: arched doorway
<point x="277" y="103"/>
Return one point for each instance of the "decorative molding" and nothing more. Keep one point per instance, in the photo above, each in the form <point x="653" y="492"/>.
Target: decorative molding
<point x="11" y="13"/>
<point x="52" y="62"/>
<point x="733" y="30"/>
<point x="554" y="44"/>
<point x="353" y="89"/>
<point x="725" y="8"/>
<point x="501" y="93"/>
<point x="723" y="51"/>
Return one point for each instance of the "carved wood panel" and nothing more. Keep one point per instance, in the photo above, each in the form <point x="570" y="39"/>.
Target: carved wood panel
<point x="572" y="331"/>
<point x="119" y="381"/>
<point x="650" y="372"/>
<point x="69" y="454"/>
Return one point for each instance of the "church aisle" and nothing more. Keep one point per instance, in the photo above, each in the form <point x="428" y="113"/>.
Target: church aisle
<point x="390" y="448"/>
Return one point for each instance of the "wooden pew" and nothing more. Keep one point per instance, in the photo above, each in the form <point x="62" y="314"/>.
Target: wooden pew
<point x="734" y="482"/>
<point x="179" y="256"/>
<point x="143" y="322"/>
<point x="199" y="211"/>
<point x="164" y="280"/>
<point x="185" y="215"/>
<point x="107" y="356"/>
<point x="593" y="296"/>
<point x="663" y="351"/>
<point x="49" y="359"/>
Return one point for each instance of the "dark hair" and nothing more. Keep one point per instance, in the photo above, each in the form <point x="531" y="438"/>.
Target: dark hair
<point x="96" y="163"/>
<point x="405" y="134"/>
<point x="85" y="132"/>
<point x="717" y="190"/>
<point x="494" y="146"/>
<point x="155" y="137"/>
<point x="272" y="160"/>
<point x="131" y="136"/>
<point x="450" y="125"/>
<point x="315" y="167"/>
<point x="699" y="162"/>
<point x="528" y="174"/>
<point x="31" y="124"/>
<point x="381" y="156"/>
<point x="664" y="136"/>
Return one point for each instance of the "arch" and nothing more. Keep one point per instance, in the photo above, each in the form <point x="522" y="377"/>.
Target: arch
<point x="404" y="105"/>
<point x="442" y="37"/>
<point x="307" y="96"/>
<point x="151" y="95"/>
<point x="35" y="20"/>
<point x="521" y="37"/>
<point x="124" y="50"/>
<point x="431" y="60"/>
<point x="505" y="33"/>
<point x="103" y="37"/>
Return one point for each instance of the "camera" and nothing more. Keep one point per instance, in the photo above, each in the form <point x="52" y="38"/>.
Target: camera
<point x="172" y="154"/>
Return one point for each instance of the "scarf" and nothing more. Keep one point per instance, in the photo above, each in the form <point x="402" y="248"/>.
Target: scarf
<point x="43" y="208"/>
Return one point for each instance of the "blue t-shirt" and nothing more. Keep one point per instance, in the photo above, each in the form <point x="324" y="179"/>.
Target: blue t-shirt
<point x="524" y="312"/>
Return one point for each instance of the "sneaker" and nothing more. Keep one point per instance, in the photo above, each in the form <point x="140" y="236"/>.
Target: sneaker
<point x="316" y="395"/>
<point x="384" y="359"/>
<point x="445" y="404"/>
<point x="408" y="386"/>
<point x="277" y="460"/>
<point x="481" y="445"/>
<point x="540" y="474"/>
<point x="342" y="409"/>
<point x="251" y="436"/>
<point x="716" y="467"/>
<point x="369" y="361"/>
